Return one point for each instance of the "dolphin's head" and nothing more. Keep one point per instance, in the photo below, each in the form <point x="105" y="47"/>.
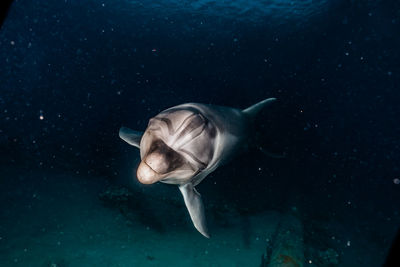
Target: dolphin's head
<point x="176" y="146"/>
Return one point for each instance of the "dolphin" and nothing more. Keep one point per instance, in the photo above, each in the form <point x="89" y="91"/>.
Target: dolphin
<point x="185" y="143"/>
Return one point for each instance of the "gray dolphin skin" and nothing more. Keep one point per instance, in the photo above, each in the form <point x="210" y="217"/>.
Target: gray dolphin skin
<point x="185" y="143"/>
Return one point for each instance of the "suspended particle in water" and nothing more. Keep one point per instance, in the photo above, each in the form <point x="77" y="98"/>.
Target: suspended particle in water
<point x="396" y="181"/>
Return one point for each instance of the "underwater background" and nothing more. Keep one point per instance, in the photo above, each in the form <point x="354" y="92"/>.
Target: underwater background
<point x="73" y="72"/>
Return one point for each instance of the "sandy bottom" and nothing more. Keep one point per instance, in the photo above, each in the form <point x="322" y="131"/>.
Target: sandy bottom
<point x="53" y="219"/>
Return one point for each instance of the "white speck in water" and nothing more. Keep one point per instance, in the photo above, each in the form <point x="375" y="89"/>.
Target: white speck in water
<point x="309" y="261"/>
<point x="348" y="243"/>
<point x="396" y="181"/>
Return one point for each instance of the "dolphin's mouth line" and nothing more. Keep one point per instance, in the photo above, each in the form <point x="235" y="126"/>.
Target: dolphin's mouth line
<point x="151" y="168"/>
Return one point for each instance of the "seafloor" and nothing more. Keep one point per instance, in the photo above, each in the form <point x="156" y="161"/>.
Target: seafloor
<point x="69" y="219"/>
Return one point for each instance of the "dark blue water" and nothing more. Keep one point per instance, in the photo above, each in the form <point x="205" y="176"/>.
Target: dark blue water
<point x="73" y="72"/>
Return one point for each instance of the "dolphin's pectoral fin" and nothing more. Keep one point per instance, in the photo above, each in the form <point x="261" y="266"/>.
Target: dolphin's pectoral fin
<point x="130" y="136"/>
<point x="194" y="204"/>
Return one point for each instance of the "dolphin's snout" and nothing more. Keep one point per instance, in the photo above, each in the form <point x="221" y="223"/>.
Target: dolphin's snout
<point x="157" y="162"/>
<point x="146" y="174"/>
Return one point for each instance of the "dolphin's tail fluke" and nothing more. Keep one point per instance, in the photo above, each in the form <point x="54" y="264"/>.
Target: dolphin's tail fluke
<point x="256" y="108"/>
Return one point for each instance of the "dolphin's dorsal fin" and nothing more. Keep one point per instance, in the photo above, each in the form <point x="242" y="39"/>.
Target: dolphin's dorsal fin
<point x="194" y="204"/>
<point x="254" y="109"/>
<point x="130" y="136"/>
